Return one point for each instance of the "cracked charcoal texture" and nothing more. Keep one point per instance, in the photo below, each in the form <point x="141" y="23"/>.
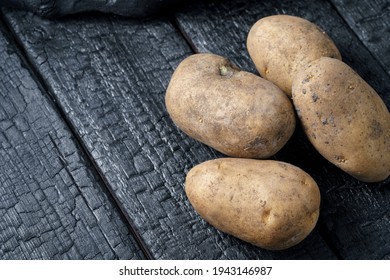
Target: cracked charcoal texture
<point x="354" y="217"/>
<point x="59" y="8"/>
<point x="370" y="20"/>
<point x="109" y="76"/>
<point x="52" y="204"/>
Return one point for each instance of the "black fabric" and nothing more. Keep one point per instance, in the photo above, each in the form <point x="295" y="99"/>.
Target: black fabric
<point x="58" y="8"/>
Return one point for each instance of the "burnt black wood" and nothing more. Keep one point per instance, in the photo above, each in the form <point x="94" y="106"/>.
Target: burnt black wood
<point x="52" y="203"/>
<point x="370" y="20"/>
<point x="109" y="76"/>
<point x="354" y="217"/>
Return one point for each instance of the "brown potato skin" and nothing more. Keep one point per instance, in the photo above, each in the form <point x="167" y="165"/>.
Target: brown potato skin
<point x="235" y="112"/>
<point x="344" y="118"/>
<point x="270" y="204"/>
<point x="282" y="45"/>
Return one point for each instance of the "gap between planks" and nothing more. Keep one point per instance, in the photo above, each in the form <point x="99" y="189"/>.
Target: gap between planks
<point x="373" y="55"/>
<point x="43" y="87"/>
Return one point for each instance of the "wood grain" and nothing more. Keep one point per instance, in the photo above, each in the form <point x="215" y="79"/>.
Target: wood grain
<point x="353" y="219"/>
<point x="109" y="76"/>
<point x="52" y="203"/>
<point x="370" y="20"/>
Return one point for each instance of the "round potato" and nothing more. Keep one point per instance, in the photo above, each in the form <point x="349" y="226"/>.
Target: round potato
<point x="271" y="204"/>
<point x="235" y="112"/>
<point x="344" y="118"/>
<point x="282" y="45"/>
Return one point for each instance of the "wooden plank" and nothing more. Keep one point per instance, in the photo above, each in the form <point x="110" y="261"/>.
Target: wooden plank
<point x="109" y="76"/>
<point x="353" y="219"/>
<point x="52" y="203"/>
<point x="370" y="20"/>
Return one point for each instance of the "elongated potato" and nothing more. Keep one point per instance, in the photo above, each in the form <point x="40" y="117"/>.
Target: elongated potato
<point x="271" y="204"/>
<point x="344" y="118"/>
<point x="233" y="111"/>
<point x="281" y="45"/>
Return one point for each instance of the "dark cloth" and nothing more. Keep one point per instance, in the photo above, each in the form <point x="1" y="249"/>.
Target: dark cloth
<point x="58" y="8"/>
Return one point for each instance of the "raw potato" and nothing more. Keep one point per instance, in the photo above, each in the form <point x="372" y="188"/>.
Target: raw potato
<point x="344" y="118"/>
<point x="271" y="204"/>
<point x="282" y="45"/>
<point x="233" y="111"/>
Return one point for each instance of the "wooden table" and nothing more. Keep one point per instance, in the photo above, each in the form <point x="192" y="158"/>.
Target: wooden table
<point x="92" y="167"/>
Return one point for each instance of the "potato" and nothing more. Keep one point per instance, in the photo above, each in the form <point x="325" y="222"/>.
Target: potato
<point x="233" y="111"/>
<point x="281" y="45"/>
<point x="344" y="118"/>
<point x="271" y="204"/>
